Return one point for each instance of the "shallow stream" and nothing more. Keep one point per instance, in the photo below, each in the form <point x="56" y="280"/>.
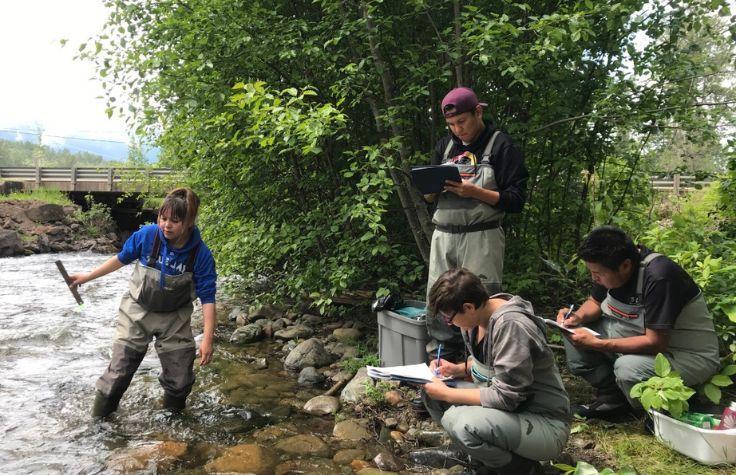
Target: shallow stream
<point x="52" y="351"/>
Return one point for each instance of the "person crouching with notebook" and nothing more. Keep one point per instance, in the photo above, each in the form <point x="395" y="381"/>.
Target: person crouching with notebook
<point x="516" y="410"/>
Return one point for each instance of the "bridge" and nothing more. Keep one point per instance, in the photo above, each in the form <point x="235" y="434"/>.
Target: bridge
<point x="87" y="179"/>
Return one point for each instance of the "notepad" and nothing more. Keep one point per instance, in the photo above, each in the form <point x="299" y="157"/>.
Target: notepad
<point x="412" y="374"/>
<point x="568" y="330"/>
<point x="431" y="179"/>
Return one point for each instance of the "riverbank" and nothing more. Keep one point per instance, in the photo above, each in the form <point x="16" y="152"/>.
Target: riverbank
<point x="30" y="226"/>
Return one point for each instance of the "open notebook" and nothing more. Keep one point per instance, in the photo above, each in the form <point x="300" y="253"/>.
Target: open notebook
<point x="412" y="374"/>
<point x="568" y="330"/>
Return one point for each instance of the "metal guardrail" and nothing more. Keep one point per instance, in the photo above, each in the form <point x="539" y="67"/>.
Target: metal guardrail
<point x="678" y="183"/>
<point x="83" y="178"/>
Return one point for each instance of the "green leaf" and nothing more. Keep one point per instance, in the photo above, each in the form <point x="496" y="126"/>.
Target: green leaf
<point x="729" y="370"/>
<point x="661" y="365"/>
<point x="721" y="380"/>
<point x="712" y="392"/>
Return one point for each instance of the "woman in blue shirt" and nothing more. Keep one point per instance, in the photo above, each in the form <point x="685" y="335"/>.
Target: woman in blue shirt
<point x="173" y="267"/>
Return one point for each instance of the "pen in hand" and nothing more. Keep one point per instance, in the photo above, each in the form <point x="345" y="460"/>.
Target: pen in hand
<point x="572" y="305"/>
<point x="438" y="362"/>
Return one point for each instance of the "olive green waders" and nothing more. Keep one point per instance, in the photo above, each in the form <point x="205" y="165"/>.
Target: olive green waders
<point x="468" y="234"/>
<point x="692" y="349"/>
<point x="152" y="310"/>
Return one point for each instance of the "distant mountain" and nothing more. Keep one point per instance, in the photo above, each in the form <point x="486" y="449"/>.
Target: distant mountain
<point x="107" y="150"/>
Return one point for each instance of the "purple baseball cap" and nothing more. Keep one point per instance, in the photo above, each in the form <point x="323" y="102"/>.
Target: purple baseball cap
<point x="459" y="100"/>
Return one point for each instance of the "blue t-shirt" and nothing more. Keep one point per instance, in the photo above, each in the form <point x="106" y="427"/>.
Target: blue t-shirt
<point x="173" y="261"/>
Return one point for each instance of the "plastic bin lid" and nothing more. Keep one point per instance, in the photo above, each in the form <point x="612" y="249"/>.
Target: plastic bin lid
<point x="411" y="312"/>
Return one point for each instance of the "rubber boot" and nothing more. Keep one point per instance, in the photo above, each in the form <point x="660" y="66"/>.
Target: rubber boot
<point x="174" y="404"/>
<point x="103" y="405"/>
<point x="520" y="466"/>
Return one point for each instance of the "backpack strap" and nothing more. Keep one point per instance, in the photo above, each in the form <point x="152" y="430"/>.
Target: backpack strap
<point x="155" y="250"/>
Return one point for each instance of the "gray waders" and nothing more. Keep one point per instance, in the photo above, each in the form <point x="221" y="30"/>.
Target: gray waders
<point x="507" y="442"/>
<point x="467" y="234"/>
<point x="152" y="309"/>
<point x="692" y="350"/>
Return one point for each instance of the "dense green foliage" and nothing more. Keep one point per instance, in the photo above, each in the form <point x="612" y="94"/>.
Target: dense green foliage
<point x="298" y="121"/>
<point x="27" y="154"/>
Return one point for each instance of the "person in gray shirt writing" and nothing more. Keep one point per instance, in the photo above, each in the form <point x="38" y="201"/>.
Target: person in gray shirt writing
<point x="516" y="411"/>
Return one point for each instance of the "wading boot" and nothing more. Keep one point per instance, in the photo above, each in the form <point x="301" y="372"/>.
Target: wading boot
<point x="520" y="466"/>
<point x="174" y="404"/>
<point x="103" y="405"/>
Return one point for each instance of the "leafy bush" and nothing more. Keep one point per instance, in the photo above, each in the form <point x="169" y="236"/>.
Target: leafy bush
<point x="97" y="220"/>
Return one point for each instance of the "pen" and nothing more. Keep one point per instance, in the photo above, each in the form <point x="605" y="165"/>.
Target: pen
<point x="437" y="366"/>
<point x="572" y="305"/>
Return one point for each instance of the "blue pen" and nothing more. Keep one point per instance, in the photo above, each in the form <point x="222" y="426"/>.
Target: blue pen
<point x="569" y="311"/>
<point x="437" y="366"/>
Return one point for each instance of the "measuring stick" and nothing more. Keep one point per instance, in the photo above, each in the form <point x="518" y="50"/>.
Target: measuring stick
<point x="69" y="281"/>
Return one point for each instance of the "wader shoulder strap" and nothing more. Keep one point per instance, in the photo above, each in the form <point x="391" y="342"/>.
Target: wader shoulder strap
<point x="486" y="158"/>
<point x="447" y="151"/>
<point x="192" y="258"/>
<point x="640" y="279"/>
<point x="154" y="251"/>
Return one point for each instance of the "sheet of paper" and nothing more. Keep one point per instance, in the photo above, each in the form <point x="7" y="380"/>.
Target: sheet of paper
<point x="416" y="372"/>
<point x="568" y="330"/>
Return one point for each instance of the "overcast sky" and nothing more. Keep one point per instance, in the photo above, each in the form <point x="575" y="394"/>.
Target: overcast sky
<point x="40" y="82"/>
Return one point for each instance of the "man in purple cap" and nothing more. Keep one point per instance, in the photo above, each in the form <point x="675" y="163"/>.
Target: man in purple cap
<point x="469" y="214"/>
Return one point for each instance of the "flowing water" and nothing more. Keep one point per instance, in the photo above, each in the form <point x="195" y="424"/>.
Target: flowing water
<point x="52" y="351"/>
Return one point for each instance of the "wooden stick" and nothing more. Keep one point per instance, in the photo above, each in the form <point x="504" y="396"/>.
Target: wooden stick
<point x="68" y="282"/>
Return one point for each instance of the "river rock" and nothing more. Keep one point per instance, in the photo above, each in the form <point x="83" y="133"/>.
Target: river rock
<point x="245" y="458"/>
<point x="270" y="433"/>
<point x="265" y="311"/>
<point x="45" y="213"/>
<point x="307" y="353"/>
<point x="303" y="444"/>
<point x="344" y="334"/>
<point x="314" y="320"/>
<point x="310" y="377"/>
<point x="246" y="334"/>
<point x="279" y="324"/>
<point x="386" y="461"/>
<point x="352" y="430"/>
<point x="235" y="313"/>
<point x="393" y="397"/>
<point x="156" y="457"/>
<point x="10" y="243"/>
<point x="345" y="456"/>
<point x="356" y="388"/>
<point x="374" y="471"/>
<point x="8" y="187"/>
<point x="310" y="466"/>
<point x="297" y="331"/>
<point x="322" y="405"/>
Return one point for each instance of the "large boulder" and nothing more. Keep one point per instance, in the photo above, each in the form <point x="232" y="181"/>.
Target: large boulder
<point x="8" y="187"/>
<point x="10" y="243"/>
<point x="46" y="213"/>
<point x="308" y="353"/>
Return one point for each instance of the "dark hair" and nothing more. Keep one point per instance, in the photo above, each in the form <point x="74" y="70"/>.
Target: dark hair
<point x="181" y="204"/>
<point x="608" y="246"/>
<point x="454" y="288"/>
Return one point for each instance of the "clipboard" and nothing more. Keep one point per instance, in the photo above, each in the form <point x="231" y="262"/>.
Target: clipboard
<point x="65" y="275"/>
<point x="568" y="330"/>
<point x="431" y="178"/>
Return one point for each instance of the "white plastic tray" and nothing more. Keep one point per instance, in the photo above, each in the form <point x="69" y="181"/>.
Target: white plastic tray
<point x="709" y="447"/>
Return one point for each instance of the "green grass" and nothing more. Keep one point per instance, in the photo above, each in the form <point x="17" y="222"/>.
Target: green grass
<point x="46" y="195"/>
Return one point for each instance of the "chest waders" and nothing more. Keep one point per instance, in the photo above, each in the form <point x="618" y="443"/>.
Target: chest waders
<point x="504" y="441"/>
<point x="692" y="350"/>
<point x="467" y="234"/>
<point x="155" y="307"/>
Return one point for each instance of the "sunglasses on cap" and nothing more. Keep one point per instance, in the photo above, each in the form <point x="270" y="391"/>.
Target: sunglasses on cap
<point x="448" y="318"/>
